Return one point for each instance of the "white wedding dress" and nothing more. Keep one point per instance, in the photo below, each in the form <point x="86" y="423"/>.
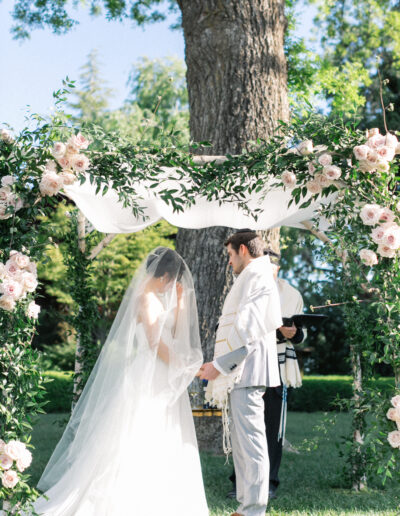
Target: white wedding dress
<point x="130" y="448"/>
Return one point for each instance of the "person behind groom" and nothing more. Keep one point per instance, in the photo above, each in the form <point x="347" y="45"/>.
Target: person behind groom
<point x="245" y="363"/>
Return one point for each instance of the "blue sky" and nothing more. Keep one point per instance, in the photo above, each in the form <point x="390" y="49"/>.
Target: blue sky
<point x="33" y="69"/>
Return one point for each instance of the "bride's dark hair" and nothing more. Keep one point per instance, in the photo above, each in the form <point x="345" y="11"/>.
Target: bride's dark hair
<point x="168" y="261"/>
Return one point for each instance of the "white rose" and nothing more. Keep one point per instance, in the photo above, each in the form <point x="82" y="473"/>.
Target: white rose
<point x="24" y="461"/>
<point x="15" y="449"/>
<point x="32" y="267"/>
<point x="373" y="157"/>
<point x="12" y="269"/>
<point x="11" y="288"/>
<point x="391" y="237"/>
<point x="20" y="259"/>
<point x="391" y="141"/>
<point x="10" y="479"/>
<point x="377" y="233"/>
<point x="6" y="461"/>
<point x="314" y="186"/>
<point x="393" y="414"/>
<point x="383" y="166"/>
<point x="29" y="282"/>
<point x="325" y="160"/>
<point x="361" y="152"/>
<point x="58" y="150"/>
<point x="80" y="163"/>
<point x="5" y="194"/>
<point x="323" y="180"/>
<point x="68" y="178"/>
<point x="395" y="401"/>
<point x="79" y="141"/>
<point x="51" y="166"/>
<point x="368" y="257"/>
<point x="372" y="132"/>
<point x="332" y="172"/>
<point x="385" y="153"/>
<point x="6" y="136"/>
<point x="370" y="214"/>
<point x="289" y="179"/>
<point x="376" y="141"/>
<point x="7" y="303"/>
<point x="387" y="215"/>
<point x="50" y="184"/>
<point x="33" y="310"/>
<point x="394" y="439"/>
<point x="7" y="180"/>
<point x="385" y="251"/>
<point x="305" y="148"/>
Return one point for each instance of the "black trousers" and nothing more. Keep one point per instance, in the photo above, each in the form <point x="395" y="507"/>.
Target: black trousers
<point x="272" y="418"/>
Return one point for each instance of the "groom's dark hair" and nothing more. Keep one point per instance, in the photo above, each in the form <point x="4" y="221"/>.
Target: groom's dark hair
<point x="248" y="238"/>
<point x="165" y="260"/>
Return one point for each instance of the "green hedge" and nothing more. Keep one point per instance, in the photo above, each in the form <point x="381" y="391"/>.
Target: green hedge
<point x="316" y="394"/>
<point x="59" y="391"/>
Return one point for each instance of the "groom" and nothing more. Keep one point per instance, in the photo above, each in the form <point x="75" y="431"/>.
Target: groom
<point x="245" y="363"/>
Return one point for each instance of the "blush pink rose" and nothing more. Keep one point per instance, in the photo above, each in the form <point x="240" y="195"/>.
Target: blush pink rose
<point x="3" y="211"/>
<point x="385" y="153"/>
<point x="366" y="166"/>
<point x="9" y="479"/>
<point x="2" y="444"/>
<point x="80" y="163"/>
<point x="7" y="303"/>
<point x="397" y="150"/>
<point x="12" y="269"/>
<point x="24" y="461"/>
<point x="368" y="257"/>
<point x="51" y="166"/>
<point x="394" y="439"/>
<point x="383" y="166"/>
<point x="305" y="148"/>
<point x="5" y="194"/>
<point x="79" y="141"/>
<point x="11" y="288"/>
<point x="314" y="186"/>
<point x="311" y="168"/>
<point x="361" y="152"/>
<point x="289" y="179"/>
<point x="387" y="215"/>
<point x="29" y="282"/>
<point x="325" y="160"/>
<point x="377" y="233"/>
<point x="32" y="267"/>
<point x="68" y="178"/>
<point x="58" y="150"/>
<point x="64" y="162"/>
<point x="15" y="449"/>
<point x="393" y="414"/>
<point x="323" y="180"/>
<point x="391" y="237"/>
<point x="385" y="251"/>
<point x="6" y="461"/>
<point x="20" y="259"/>
<point x="6" y="136"/>
<point x="395" y="401"/>
<point x="370" y="214"/>
<point x="332" y="172"/>
<point x="50" y="184"/>
<point x="376" y="141"/>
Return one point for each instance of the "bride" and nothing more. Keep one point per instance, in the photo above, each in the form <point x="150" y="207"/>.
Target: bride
<point x="130" y="447"/>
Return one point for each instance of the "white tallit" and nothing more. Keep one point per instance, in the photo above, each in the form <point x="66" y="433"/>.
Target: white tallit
<point x="291" y="304"/>
<point x="251" y="313"/>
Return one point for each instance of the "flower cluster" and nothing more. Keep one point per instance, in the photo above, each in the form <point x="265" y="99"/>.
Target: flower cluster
<point x="69" y="159"/>
<point x="8" y="198"/>
<point x="377" y="152"/>
<point x="13" y="454"/>
<point x="6" y="136"/>
<point x="322" y="169"/>
<point x="394" y="415"/>
<point x="386" y="232"/>
<point x="18" y="276"/>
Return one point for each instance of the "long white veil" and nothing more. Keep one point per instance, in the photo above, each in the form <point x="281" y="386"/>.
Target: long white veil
<point x="130" y="384"/>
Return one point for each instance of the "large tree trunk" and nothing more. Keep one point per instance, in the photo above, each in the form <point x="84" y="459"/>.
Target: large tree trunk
<point x="236" y="75"/>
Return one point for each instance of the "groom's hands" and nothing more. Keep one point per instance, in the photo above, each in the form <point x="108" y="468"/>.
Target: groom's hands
<point x="208" y="372"/>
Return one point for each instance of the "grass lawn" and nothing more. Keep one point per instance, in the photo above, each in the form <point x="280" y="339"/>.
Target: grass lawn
<point x="310" y="481"/>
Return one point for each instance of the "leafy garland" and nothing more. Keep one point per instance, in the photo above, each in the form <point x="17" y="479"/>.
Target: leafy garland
<point x="313" y="157"/>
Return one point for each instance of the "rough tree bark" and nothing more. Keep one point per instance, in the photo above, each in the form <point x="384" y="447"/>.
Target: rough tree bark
<point x="237" y="84"/>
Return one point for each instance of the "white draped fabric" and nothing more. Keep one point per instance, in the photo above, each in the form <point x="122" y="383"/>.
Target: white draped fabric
<point x="107" y="214"/>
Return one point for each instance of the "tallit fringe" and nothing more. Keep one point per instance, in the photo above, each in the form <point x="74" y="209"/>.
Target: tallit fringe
<point x="226" y="434"/>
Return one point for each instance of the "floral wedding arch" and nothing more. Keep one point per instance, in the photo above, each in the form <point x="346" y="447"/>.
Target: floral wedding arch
<point x="310" y="170"/>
